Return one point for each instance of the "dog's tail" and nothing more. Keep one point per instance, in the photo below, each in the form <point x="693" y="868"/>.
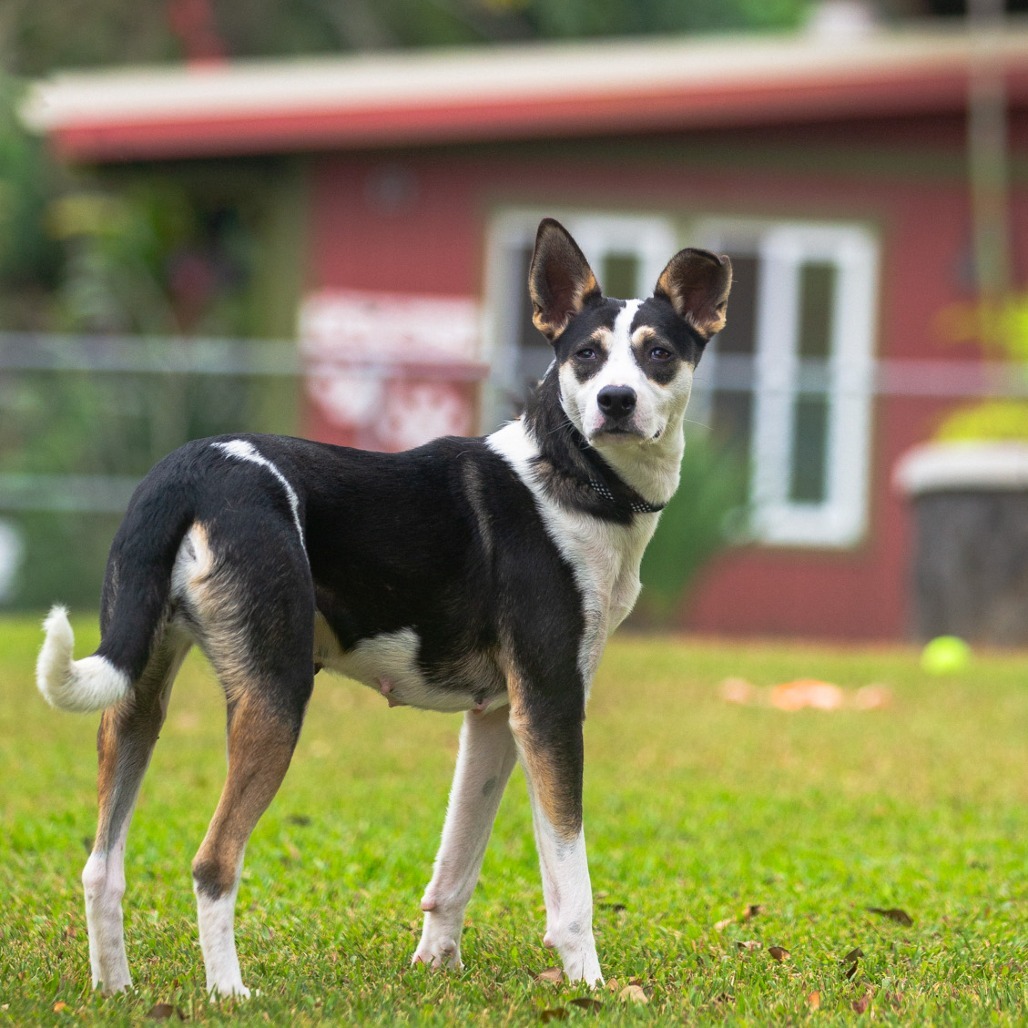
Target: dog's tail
<point x="92" y="683"/>
<point x="134" y="605"/>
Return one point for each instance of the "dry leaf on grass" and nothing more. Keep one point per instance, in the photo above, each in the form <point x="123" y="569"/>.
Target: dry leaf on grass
<point x="634" y="994"/>
<point x="551" y="974"/>
<point x="893" y="914"/>
<point x="851" y="960"/>
<point x="779" y="953"/>
<point x="861" y="1005"/>
<point x="738" y="690"/>
<point x="872" y="697"/>
<point x="749" y="944"/>
<point x="553" y="1014"/>
<point x="805" y="694"/>
<point x="561" y="1013"/>
<point x="160" y="1012"/>
<point x="814" y="1000"/>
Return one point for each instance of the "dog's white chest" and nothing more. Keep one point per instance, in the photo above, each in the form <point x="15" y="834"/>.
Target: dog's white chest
<point x="604" y="557"/>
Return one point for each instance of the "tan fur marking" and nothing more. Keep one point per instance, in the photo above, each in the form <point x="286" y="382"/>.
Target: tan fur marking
<point x="107" y="756"/>
<point x="545" y="781"/>
<point x="553" y="328"/>
<point x="217" y="609"/>
<point x="204" y="554"/>
<point x="260" y="747"/>
<point x="709" y="328"/>
<point x="698" y="283"/>
<point x="128" y="732"/>
<point x="708" y="319"/>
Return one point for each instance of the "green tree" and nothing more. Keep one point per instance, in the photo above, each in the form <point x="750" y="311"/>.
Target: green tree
<point x="30" y="259"/>
<point x="37" y="36"/>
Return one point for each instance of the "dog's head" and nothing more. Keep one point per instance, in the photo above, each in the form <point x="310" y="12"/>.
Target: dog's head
<point x="625" y="366"/>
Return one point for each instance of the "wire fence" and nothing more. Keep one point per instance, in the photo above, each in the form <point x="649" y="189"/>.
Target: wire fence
<point x="83" y="417"/>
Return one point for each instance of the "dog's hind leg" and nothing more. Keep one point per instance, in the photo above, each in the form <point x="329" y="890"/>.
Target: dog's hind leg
<point x="257" y="628"/>
<point x="261" y="740"/>
<point x="484" y="763"/>
<point x="125" y="742"/>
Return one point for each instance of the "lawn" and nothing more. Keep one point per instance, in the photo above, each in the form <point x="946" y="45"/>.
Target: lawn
<point x="739" y="853"/>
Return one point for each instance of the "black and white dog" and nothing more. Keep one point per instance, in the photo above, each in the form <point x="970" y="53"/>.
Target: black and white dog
<point x="478" y="575"/>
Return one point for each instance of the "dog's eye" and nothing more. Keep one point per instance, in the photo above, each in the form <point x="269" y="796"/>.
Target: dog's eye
<point x="587" y="353"/>
<point x="659" y="353"/>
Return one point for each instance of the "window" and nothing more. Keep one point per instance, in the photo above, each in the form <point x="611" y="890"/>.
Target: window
<point x="789" y="381"/>
<point x="787" y="384"/>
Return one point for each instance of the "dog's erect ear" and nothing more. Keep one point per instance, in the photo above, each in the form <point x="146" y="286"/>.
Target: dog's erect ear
<point x="697" y="284"/>
<point x="560" y="281"/>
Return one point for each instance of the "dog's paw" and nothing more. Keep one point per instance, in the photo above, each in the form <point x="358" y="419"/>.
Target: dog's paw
<point x="126" y="989"/>
<point x="584" y="970"/>
<point x="113" y="986"/>
<point x="230" y="990"/>
<point x="438" y="953"/>
<point x="578" y="957"/>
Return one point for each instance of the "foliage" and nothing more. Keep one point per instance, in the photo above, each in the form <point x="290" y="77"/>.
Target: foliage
<point x="996" y="420"/>
<point x="1000" y="328"/>
<point x="162" y="258"/>
<point x="614" y="17"/>
<point x="63" y="557"/>
<point x="156" y="258"/>
<point x="695" y="525"/>
<point x="29" y="257"/>
<point x="42" y="35"/>
<point x="738" y="854"/>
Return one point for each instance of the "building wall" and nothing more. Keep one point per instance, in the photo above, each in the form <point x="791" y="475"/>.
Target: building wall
<point x="417" y="223"/>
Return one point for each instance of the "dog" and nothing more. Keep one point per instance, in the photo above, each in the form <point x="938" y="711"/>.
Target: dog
<point x="481" y="575"/>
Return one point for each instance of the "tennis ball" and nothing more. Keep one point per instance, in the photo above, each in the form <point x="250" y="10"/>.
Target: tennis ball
<point x="945" y="655"/>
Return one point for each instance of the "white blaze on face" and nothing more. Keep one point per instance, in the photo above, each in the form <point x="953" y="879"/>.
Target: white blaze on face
<point x="656" y="403"/>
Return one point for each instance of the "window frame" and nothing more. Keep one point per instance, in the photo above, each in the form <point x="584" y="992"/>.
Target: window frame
<point x="845" y="378"/>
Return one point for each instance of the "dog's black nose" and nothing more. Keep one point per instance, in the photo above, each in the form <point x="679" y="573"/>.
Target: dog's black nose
<point x="616" y="401"/>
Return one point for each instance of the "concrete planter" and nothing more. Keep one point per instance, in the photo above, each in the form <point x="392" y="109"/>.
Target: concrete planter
<point x="970" y="574"/>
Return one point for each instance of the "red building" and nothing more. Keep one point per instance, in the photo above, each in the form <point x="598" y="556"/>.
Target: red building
<point x="833" y="171"/>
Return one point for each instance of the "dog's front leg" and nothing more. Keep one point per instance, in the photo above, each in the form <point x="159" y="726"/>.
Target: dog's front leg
<point x="484" y="763"/>
<point x="551" y="749"/>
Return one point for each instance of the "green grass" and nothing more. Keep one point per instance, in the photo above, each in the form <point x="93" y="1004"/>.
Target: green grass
<point x="697" y="813"/>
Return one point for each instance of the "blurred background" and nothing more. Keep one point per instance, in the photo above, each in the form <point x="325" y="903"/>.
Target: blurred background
<point x="315" y="217"/>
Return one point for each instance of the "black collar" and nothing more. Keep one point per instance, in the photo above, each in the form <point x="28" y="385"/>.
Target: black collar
<point x="571" y="471"/>
<point x="629" y="497"/>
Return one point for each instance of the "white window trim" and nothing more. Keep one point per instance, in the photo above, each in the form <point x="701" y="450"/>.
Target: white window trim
<point x="839" y="520"/>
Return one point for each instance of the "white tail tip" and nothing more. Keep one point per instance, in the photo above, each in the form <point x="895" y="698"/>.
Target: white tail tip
<point x="92" y="683"/>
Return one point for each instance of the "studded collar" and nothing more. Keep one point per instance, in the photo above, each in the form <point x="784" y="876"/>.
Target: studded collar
<point x="629" y="498"/>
